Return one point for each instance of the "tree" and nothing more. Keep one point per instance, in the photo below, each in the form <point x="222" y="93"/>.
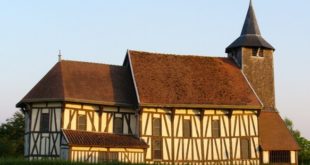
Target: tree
<point x="304" y="153"/>
<point x="290" y="126"/>
<point x="12" y="136"/>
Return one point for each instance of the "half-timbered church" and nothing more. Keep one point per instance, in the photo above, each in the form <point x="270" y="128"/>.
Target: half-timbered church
<point x="162" y="108"/>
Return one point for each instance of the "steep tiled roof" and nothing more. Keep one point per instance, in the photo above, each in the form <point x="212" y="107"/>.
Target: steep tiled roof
<point x="96" y="139"/>
<point x="84" y="82"/>
<point x="189" y="81"/>
<point x="161" y="80"/>
<point x="273" y="133"/>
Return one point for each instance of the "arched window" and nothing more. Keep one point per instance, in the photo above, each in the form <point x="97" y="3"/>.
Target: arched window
<point x="258" y="52"/>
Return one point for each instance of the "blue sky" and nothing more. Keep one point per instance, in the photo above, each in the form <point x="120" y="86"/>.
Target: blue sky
<point x="101" y="31"/>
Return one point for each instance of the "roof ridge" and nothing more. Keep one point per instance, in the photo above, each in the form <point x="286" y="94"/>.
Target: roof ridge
<point x="88" y="62"/>
<point x="179" y="55"/>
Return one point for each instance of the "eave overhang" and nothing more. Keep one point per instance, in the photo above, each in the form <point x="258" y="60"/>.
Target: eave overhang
<point x="72" y="100"/>
<point x="206" y="106"/>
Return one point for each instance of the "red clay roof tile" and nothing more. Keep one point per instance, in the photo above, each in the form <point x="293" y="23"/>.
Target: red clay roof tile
<point x="274" y="134"/>
<point x="98" y="139"/>
<point x="161" y="80"/>
<point x="84" y="82"/>
<point x="174" y="79"/>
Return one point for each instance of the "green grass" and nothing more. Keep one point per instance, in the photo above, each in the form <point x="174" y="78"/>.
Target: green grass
<point x="21" y="161"/>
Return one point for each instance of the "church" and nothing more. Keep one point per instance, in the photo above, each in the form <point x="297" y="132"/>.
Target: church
<point x="162" y="108"/>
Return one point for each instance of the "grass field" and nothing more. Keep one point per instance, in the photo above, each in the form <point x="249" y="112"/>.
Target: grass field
<point x="21" y="161"/>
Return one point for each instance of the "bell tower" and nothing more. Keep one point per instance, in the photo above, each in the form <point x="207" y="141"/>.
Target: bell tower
<point x="254" y="55"/>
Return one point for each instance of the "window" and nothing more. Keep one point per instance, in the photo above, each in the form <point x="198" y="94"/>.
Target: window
<point x="81" y="122"/>
<point x="279" y="156"/>
<point x="156" y="143"/>
<point x="45" y="120"/>
<point x="258" y="52"/>
<point x="187" y="131"/>
<point x="245" y="149"/>
<point x="156" y="148"/>
<point x="156" y="127"/>
<point x="107" y="156"/>
<point x="216" y="128"/>
<point x="118" y="125"/>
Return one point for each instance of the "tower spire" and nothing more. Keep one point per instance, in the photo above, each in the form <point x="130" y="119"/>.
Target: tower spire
<point x="250" y="25"/>
<point x="250" y="34"/>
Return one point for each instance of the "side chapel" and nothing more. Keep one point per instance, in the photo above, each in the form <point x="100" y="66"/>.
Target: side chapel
<point x="162" y="108"/>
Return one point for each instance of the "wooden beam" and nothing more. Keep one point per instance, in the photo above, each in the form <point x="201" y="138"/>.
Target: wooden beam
<point x="100" y="117"/>
<point x="172" y="133"/>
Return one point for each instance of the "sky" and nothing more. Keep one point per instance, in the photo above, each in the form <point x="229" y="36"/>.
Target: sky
<point x="101" y="31"/>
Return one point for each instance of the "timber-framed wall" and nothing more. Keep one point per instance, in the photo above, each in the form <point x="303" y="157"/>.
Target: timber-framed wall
<point x="202" y="147"/>
<point x="42" y="143"/>
<point x="47" y="143"/>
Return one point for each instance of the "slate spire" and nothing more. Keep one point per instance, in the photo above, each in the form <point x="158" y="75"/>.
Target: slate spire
<point x="250" y="34"/>
<point x="250" y="25"/>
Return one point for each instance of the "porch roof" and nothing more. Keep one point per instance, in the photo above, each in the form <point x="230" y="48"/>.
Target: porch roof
<point x="99" y="139"/>
<point x="274" y="135"/>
